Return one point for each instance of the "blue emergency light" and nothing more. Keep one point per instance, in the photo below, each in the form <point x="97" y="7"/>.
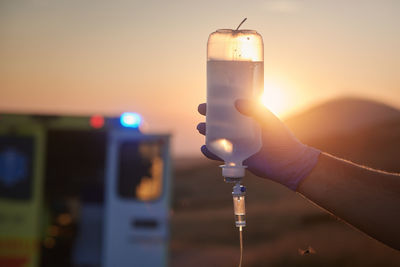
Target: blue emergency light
<point x="130" y="120"/>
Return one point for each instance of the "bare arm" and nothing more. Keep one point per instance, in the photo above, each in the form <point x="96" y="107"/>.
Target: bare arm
<point x="365" y="198"/>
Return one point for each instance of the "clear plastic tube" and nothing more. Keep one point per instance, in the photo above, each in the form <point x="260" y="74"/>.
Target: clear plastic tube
<point x="239" y="206"/>
<point x="241" y="246"/>
<point x="239" y="210"/>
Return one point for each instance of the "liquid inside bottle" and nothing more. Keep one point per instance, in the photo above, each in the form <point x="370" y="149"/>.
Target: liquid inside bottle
<point x="229" y="134"/>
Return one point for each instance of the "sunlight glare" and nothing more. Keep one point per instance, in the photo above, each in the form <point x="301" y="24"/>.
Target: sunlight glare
<point x="223" y="145"/>
<point x="246" y="48"/>
<point x="274" y="99"/>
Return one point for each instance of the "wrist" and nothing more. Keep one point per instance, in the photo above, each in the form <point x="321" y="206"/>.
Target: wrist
<point x="301" y="167"/>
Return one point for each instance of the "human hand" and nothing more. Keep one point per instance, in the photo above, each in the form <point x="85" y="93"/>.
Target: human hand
<point x="282" y="157"/>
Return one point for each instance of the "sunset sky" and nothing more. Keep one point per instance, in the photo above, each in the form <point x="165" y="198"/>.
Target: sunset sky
<point x="107" y="57"/>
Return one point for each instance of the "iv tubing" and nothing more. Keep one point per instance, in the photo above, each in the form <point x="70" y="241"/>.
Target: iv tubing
<point x="241" y="245"/>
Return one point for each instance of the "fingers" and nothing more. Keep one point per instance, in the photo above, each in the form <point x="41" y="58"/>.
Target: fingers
<point x="209" y="154"/>
<point x="256" y="110"/>
<point x="201" y="127"/>
<point x="202" y="108"/>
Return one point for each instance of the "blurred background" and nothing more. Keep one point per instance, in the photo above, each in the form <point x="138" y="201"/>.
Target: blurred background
<point x="331" y="72"/>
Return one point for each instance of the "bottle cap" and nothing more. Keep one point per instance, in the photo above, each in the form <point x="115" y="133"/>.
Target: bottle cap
<point x="233" y="171"/>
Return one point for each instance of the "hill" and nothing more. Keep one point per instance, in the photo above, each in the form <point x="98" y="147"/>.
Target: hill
<point x="340" y="116"/>
<point x="376" y="146"/>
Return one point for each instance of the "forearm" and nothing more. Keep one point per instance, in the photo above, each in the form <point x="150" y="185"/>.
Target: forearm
<point x="365" y="198"/>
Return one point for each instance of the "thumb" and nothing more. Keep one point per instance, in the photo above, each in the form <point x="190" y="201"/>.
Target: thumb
<point x="256" y="110"/>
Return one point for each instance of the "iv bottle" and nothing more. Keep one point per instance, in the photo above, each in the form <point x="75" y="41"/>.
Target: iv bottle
<point x="235" y="70"/>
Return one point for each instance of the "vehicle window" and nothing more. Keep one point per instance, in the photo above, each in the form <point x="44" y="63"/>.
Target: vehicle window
<point x="140" y="170"/>
<point x="16" y="164"/>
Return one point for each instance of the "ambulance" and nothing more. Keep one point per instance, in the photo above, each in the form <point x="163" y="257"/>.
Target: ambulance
<point x="83" y="191"/>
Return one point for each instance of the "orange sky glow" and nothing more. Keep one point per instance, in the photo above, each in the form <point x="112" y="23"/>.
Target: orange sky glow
<point x="108" y="57"/>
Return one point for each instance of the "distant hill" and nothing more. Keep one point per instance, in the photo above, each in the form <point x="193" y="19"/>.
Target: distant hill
<point x="340" y="116"/>
<point x="359" y="130"/>
<point x="376" y="146"/>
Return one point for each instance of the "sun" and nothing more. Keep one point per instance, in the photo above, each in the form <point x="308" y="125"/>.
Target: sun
<point x="274" y="99"/>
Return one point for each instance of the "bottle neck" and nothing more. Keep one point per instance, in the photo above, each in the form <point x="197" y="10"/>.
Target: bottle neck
<point x="233" y="171"/>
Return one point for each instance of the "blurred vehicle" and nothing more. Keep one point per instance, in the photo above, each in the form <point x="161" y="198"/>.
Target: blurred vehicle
<point x="82" y="191"/>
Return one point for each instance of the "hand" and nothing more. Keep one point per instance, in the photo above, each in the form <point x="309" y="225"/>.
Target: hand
<point x="282" y="158"/>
